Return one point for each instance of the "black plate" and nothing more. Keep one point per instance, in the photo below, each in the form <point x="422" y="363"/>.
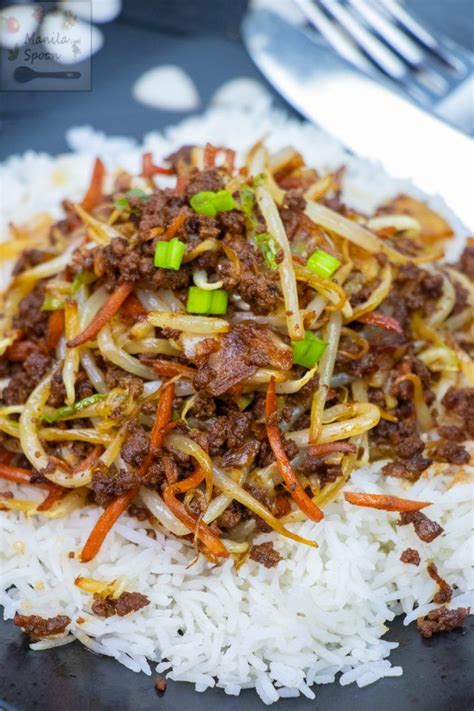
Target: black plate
<point x="436" y="672"/>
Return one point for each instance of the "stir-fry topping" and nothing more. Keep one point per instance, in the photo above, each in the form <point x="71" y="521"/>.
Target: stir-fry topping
<point x="222" y="353"/>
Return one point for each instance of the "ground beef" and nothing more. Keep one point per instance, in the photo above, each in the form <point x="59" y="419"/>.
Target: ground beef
<point x="452" y="453"/>
<point x="426" y="529"/>
<point x="460" y="401"/>
<point x="25" y="377"/>
<point x="231" y="516"/>
<point x="180" y="158"/>
<point x="452" y="433"/>
<point x="160" y="685"/>
<point x="241" y="351"/>
<point x="265" y="554"/>
<point x="462" y="298"/>
<point x="37" y="627"/>
<point x="410" y="556"/>
<point x="242" y="457"/>
<point x="30" y="258"/>
<point x="441" y="620"/>
<point x="445" y="592"/>
<point x="107" y="486"/>
<point x="30" y="319"/>
<point x="204" y="180"/>
<point x="57" y="393"/>
<point x="136" y="445"/>
<point x="229" y="432"/>
<point x="126" y="603"/>
<point x="117" y="378"/>
<point x="466" y="261"/>
<point x="313" y="464"/>
<point x="257" y="284"/>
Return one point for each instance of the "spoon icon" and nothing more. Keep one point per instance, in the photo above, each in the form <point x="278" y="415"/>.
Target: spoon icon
<point x="25" y="74"/>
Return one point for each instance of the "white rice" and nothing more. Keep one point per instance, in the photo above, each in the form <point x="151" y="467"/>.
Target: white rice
<point x="321" y="611"/>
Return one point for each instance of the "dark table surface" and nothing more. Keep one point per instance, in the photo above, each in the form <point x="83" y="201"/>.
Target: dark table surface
<point x="436" y="672"/>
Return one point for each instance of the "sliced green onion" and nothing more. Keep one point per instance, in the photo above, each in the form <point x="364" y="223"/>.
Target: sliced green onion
<point x="201" y="301"/>
<point x="123" y="204"/>
<point x="169" y="255"/>
<point x="268" y="247"/>
<point x="63" y="412"/>
<point x="210" y="203"/>
<point x="308" y="352"/>
<point x="247" y="204"/>
<point x="323" y="264"/>
<point x="82" y="279"/>
<point x="52" y="303"/>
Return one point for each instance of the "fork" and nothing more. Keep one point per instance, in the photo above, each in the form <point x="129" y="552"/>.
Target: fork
<point x="381" y="36"/>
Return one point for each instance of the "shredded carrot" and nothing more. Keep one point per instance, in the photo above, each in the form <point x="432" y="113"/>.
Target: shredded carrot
<point x="164" y="413"/>
<point x="168" y="369"/>
<point x="94" y="193"/>
<point x="90" y="459"/>
<point x="55" y="493"/>
<point x="181" y="182"/>
<point x="388" y="322"/>
<point x="19" y="350"/>
<point x="55" y="328"/>
<point x="105" y="523"/>
<point x="304" y="502"/>
<point x="322" y="450"/>
<point x="108" y="310"/>
<point x="132" y="310"/>
<point x="5" y="455"/>
<point x="149" y="169"/>
<point x="175" y="226"/>
<point x="210" y="154"/>
<point x="230" y="159"/>
<point x="18" y="475"/>
<point x="195" y="525"/>
<point x="384" y="502"/>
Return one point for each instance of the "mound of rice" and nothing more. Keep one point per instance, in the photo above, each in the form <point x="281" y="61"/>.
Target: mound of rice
<point x="321" y="611"/>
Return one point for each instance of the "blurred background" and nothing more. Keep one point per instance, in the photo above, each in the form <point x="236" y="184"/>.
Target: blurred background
<point x="192" y="46"/>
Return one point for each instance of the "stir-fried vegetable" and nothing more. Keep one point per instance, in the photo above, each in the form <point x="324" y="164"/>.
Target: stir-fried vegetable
<point x="203" y="301"/>
<point x="274" y="437"/>
<point x="105" y="314"/>
<point x="384" y="502"/>
<point x="308" y="351"/>
<point x="105" y="523"/>
<point x="323" y="264"/>
<point x="62" y="413"/>
<point x="210" y="203"/>
<point x="169" y="255"/>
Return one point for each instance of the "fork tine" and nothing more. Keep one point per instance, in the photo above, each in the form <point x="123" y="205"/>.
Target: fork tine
<point x="383" y="57"/>
<point x="420" y="33"/>
<point x="393" y="36"/>
<point x="333" y="34"/>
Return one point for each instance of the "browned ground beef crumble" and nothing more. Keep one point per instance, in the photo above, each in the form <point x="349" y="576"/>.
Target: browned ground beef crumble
<point x="441" y="620"/>
<point x="123" y="605"/>
<point x="37" y="627"/>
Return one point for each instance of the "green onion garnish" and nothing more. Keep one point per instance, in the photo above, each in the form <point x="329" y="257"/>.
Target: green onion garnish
<point x="52" y="303"/>
<point x="210" y="203"/>
<point x="169" y="255"/>
<point x="62" y="412"/>
<point x="202" y="301"/>
<point x="268" y="247"/>
<point x="323" y="264"/>
<point x="123" y="204"/>
<point x="308" y="352"/>
<point x="247" y="204"/>
<point x="82" y="279"/>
